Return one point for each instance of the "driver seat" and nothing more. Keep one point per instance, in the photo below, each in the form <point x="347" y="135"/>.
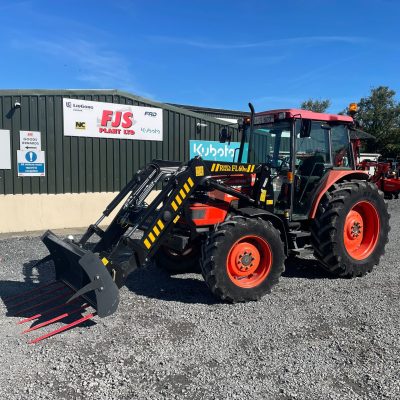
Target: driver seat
<point x="310" y="173"/>
<point x="312" y="165"/>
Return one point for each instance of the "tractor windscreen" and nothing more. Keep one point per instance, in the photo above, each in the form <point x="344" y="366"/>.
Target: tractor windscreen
<point x="270" y="143"/>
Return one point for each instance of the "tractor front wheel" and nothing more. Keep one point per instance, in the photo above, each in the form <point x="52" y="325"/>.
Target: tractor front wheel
<point x="351" y="229"/>
<point x="242" y="259"/>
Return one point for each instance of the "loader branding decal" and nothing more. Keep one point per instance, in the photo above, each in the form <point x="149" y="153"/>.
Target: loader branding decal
<point x="232" y="167"/>
<point x="159" y="226"/>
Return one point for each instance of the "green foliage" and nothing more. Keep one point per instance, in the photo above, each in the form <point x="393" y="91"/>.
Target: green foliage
<point x="315" y="105"/>
<point x="379" y="115"/>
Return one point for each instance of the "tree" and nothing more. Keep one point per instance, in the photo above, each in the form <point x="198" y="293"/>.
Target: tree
<point x="379" y="115"/>
<point x="316" y="105"/>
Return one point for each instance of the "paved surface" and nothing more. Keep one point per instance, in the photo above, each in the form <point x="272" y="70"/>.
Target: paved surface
<point x="314" y="337"/>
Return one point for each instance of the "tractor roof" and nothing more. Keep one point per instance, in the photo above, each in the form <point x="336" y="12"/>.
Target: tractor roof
<point x="309" y="115"/>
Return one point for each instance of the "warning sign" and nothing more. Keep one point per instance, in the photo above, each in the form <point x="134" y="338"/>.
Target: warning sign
<point x="31" y="163"/>
<point x="30" y="140"/>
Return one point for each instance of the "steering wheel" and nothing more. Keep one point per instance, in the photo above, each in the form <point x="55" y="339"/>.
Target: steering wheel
<point x="278" y="164"/>
<point x="282" y="161"/>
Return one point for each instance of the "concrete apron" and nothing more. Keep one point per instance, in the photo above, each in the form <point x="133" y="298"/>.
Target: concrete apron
<point x="39" y="212"/>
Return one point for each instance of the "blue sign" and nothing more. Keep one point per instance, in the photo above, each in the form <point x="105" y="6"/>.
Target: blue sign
<point x="30" y="169"/>
<point x="31" y="163"/>
<point x="31" y="156"/>
<point x="216" y="151"/>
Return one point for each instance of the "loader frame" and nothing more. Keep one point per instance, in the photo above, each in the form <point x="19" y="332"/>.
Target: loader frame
<point x="155" y="221"/>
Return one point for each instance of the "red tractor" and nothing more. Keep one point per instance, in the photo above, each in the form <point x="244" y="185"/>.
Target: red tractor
<point x="296" y="190"/>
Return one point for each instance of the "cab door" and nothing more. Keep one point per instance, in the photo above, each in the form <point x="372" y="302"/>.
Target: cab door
<point x="312" y="161"/>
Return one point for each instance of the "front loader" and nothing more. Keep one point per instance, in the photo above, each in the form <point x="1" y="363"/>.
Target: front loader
<point x="296" y="190"/>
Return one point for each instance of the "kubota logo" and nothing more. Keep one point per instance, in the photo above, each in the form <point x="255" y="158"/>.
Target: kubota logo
<point x="80" y="125"/>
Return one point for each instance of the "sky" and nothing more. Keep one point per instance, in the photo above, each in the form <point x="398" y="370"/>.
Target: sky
<point x="220" y="54"/>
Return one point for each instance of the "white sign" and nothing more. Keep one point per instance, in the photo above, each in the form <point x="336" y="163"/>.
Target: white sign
<point x="31" y="163"/>
<point x="113" y="121"/>
<point x="30" y="140"/>
<point x="5" y="149"/>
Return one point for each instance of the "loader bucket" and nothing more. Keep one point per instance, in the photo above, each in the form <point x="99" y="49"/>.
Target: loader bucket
<point x="84" y="273"/>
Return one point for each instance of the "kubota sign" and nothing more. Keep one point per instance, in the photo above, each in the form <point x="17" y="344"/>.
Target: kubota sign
<point x="109" y="120"/>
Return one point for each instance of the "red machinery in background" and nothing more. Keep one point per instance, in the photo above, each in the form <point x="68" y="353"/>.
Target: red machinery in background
<point x="385" y="174"/>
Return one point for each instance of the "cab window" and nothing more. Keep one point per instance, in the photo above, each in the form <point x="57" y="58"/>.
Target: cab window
<point x="340" y="147"/>
<point x="313" y="150"/>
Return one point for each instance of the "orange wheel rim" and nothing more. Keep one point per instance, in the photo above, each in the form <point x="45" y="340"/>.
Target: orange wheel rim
<point x="249" y="261"/>
<point x="361" y="230"/>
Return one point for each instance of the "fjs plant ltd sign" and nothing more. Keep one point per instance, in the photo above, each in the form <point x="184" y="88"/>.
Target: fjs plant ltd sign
<point x="112" y="121"/>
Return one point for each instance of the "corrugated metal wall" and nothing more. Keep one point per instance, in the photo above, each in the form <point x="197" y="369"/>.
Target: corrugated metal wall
<point x="78" y="165"/>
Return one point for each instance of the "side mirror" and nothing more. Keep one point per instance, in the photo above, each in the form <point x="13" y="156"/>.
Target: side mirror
<point x="305" y="128"/>
<point x="224" y="135"/>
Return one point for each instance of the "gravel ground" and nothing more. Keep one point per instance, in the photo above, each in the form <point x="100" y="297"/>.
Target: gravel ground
<point x="314" y="337"/>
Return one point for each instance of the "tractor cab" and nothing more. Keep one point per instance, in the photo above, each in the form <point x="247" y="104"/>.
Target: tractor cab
<point x="299" y="148"/>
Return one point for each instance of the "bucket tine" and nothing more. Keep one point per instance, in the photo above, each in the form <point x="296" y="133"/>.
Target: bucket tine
<point x="63" y="328"/>
<point x="55" y="319"/>
<point x="43" y="286"/>
<point x="36" y="316"/>
<point x="64" y="295"/>
<point x="34" y="298"/>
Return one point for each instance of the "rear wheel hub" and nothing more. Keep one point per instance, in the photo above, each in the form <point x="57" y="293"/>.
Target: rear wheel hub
<point x="246" y="260"/>
<point x="361" y="230"/>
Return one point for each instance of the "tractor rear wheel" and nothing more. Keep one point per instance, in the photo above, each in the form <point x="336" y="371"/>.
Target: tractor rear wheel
<point x="242" y="259"/>
<point x="175" y="262"/>
<point x="351" y="229"/>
